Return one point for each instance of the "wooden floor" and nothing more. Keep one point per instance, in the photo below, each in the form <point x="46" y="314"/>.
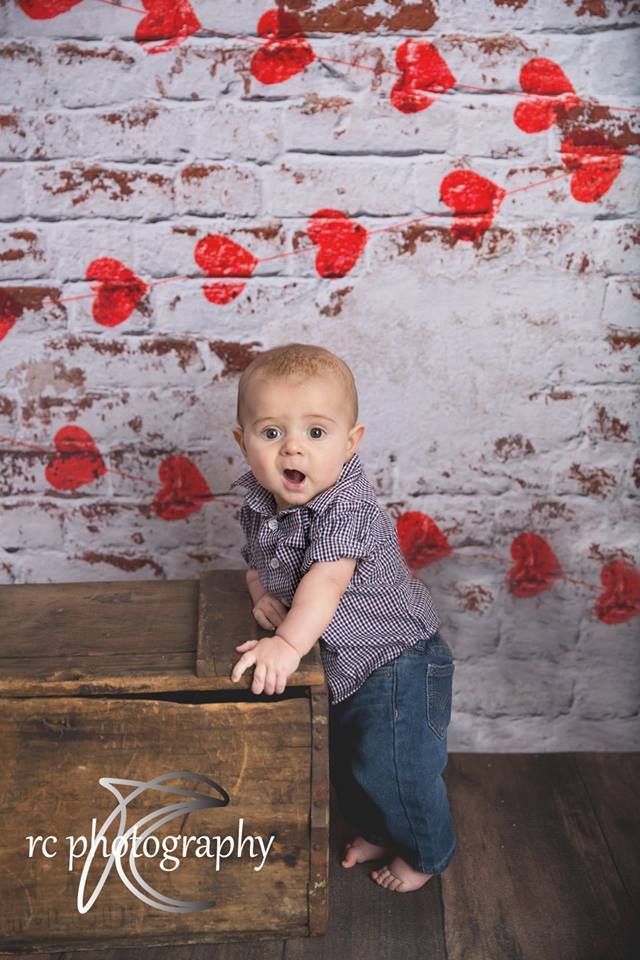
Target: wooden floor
<point x="547" y="868"/>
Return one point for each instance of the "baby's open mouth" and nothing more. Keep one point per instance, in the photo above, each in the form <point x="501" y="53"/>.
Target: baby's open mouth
<point x="295" y="476"/>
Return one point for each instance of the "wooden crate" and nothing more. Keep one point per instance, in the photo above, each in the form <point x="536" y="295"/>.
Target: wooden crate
<point x="131" y="682"/>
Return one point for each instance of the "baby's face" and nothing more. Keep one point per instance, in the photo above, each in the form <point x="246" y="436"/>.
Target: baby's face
<point x="296" y="425"/>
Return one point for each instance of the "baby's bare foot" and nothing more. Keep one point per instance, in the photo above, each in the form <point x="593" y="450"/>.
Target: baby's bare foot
<point x="399" y="876"/>
<point x="358" y="850"/>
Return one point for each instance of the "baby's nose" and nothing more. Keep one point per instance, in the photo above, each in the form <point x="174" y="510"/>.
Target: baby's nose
<point x="292" y="442"/>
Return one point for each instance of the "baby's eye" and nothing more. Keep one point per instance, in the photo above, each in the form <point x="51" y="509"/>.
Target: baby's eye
<point x="321" y="429"/>
<point x="270" y="430"/>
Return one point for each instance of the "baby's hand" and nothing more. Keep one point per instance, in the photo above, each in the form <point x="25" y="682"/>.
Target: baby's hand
<point x="269" y="611"/>
<point x="275" y="660"/>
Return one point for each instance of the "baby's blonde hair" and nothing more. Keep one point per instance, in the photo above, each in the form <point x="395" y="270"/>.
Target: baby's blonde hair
<point x="300" y="360"/>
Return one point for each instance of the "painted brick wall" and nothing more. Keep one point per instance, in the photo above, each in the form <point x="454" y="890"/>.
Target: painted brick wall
<point x="490" y="319"/>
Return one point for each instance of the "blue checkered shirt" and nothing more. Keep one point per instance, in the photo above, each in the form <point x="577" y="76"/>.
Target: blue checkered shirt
<point x="384" y="609"/>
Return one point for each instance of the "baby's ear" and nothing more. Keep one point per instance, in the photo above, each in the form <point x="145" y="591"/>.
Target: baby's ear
<point x="237" y="432"/>
<point x="355" y="436"/>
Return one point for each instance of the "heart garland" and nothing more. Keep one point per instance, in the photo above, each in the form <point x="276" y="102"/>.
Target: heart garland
<point x="184" y="489"/>
<point x="474" y="201"/>
<point x="594" y="160"/>
<point x="422" y="69"/>
<point x="46" y="9"/>
<point x="286" y="51"/>
<point x="553" y="95"/>
<point x="169" y="20"/>
<point x="77" y="461"/>
<point x="536" y="566"/>
<point x="117" y="294"/>
<point x="220" y="257"/>
<point x="340" y="241"/>
<point x="421" y="539"/>
<point x="620" y="600"/>
<point x="596" y="165"/>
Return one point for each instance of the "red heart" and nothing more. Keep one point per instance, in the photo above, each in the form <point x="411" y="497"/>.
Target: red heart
<point x="220" y="257"/>
<point x="286" y="51"/>
<point x="422" y="69"/>
<point x="596" y="164"/>
<point x="620" y="600"/>
<point x="117" y="294"/>
<point x="171" y="19"/>
<point x="340" y="241"/>
<point x="46" y="9"/>
<point x="10" y="311"/>
<point x="546" y="79"/>
<point x="536" y="566"/>
<point x="475" y="201"/>
<point x="184" y="489"/>
<point x="78" y="461"/>
<point x="421" y="540"/>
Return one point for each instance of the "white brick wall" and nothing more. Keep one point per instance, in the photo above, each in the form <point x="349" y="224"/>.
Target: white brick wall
<point x="496" y="378"/>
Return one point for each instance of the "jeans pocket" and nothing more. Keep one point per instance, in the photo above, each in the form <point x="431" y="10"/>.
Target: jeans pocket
<point x="439" y="680"/>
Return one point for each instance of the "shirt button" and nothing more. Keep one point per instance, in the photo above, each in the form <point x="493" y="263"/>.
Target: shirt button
<point x="274" y="562"/>
<point x="273" y="524"/>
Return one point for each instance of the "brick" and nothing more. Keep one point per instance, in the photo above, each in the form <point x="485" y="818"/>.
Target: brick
<point x="202" y="69"/>
<point x="91" y="564"/>
<point x="541" y="734"/>
<point x="137" y="131"/>
<point x="79" y="21"/>
<point x="24" y="79"/>
<point x="89" y="73"/>
<point x="236" y="129"/>
<point x="27" y="525"/>
<point x="130" y="528"/>
<point x="484" y="127"/>
<point x="600" y="671"/>
<point x="77" y="189"/>
<point x="145" y="129"/>
<point x="23" y="252"/>
<point x="610" y="67"/>
<point x="36" y="307"/>
<point x="367" y="123"/>
<point x="518" y="688"/>
<point x="116" y="359"/>
<point x="285" y="302"/>
<point x="299" y="186"/>
<point x="216" y="189"/>
<point x="17" y="138"/>
<point x="12" y="204"/>
<point x="111" y="417"/>
<point x="8" y="568"/>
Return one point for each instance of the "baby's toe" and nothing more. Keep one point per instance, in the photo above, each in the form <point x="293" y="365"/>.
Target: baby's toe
<point x="383" y="877"/>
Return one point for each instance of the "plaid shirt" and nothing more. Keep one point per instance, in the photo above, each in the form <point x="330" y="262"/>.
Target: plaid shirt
<point x="384" y="609"/>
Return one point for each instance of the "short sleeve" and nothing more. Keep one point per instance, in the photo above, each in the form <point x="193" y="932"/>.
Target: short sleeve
<point x="346" y="530"/>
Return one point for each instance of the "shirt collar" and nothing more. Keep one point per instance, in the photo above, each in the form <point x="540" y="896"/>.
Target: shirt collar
<point x="264" y="502"/>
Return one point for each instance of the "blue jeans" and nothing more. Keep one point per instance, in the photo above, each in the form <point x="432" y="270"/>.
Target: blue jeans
<point x="388" y="748"/>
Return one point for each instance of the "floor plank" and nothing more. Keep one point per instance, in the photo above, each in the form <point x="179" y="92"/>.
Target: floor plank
<point x="533" y="878"/>
<point x="612" y="781"/>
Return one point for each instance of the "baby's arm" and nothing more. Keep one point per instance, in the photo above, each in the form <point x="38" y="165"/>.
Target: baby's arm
<point x="315" y="602"/>
<point x="254" y="586"/>
<point x="314" y="605"/>
<point x="268" y="609"/>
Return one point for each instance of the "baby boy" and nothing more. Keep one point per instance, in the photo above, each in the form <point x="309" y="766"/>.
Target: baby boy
<point x="325" y="565"/>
